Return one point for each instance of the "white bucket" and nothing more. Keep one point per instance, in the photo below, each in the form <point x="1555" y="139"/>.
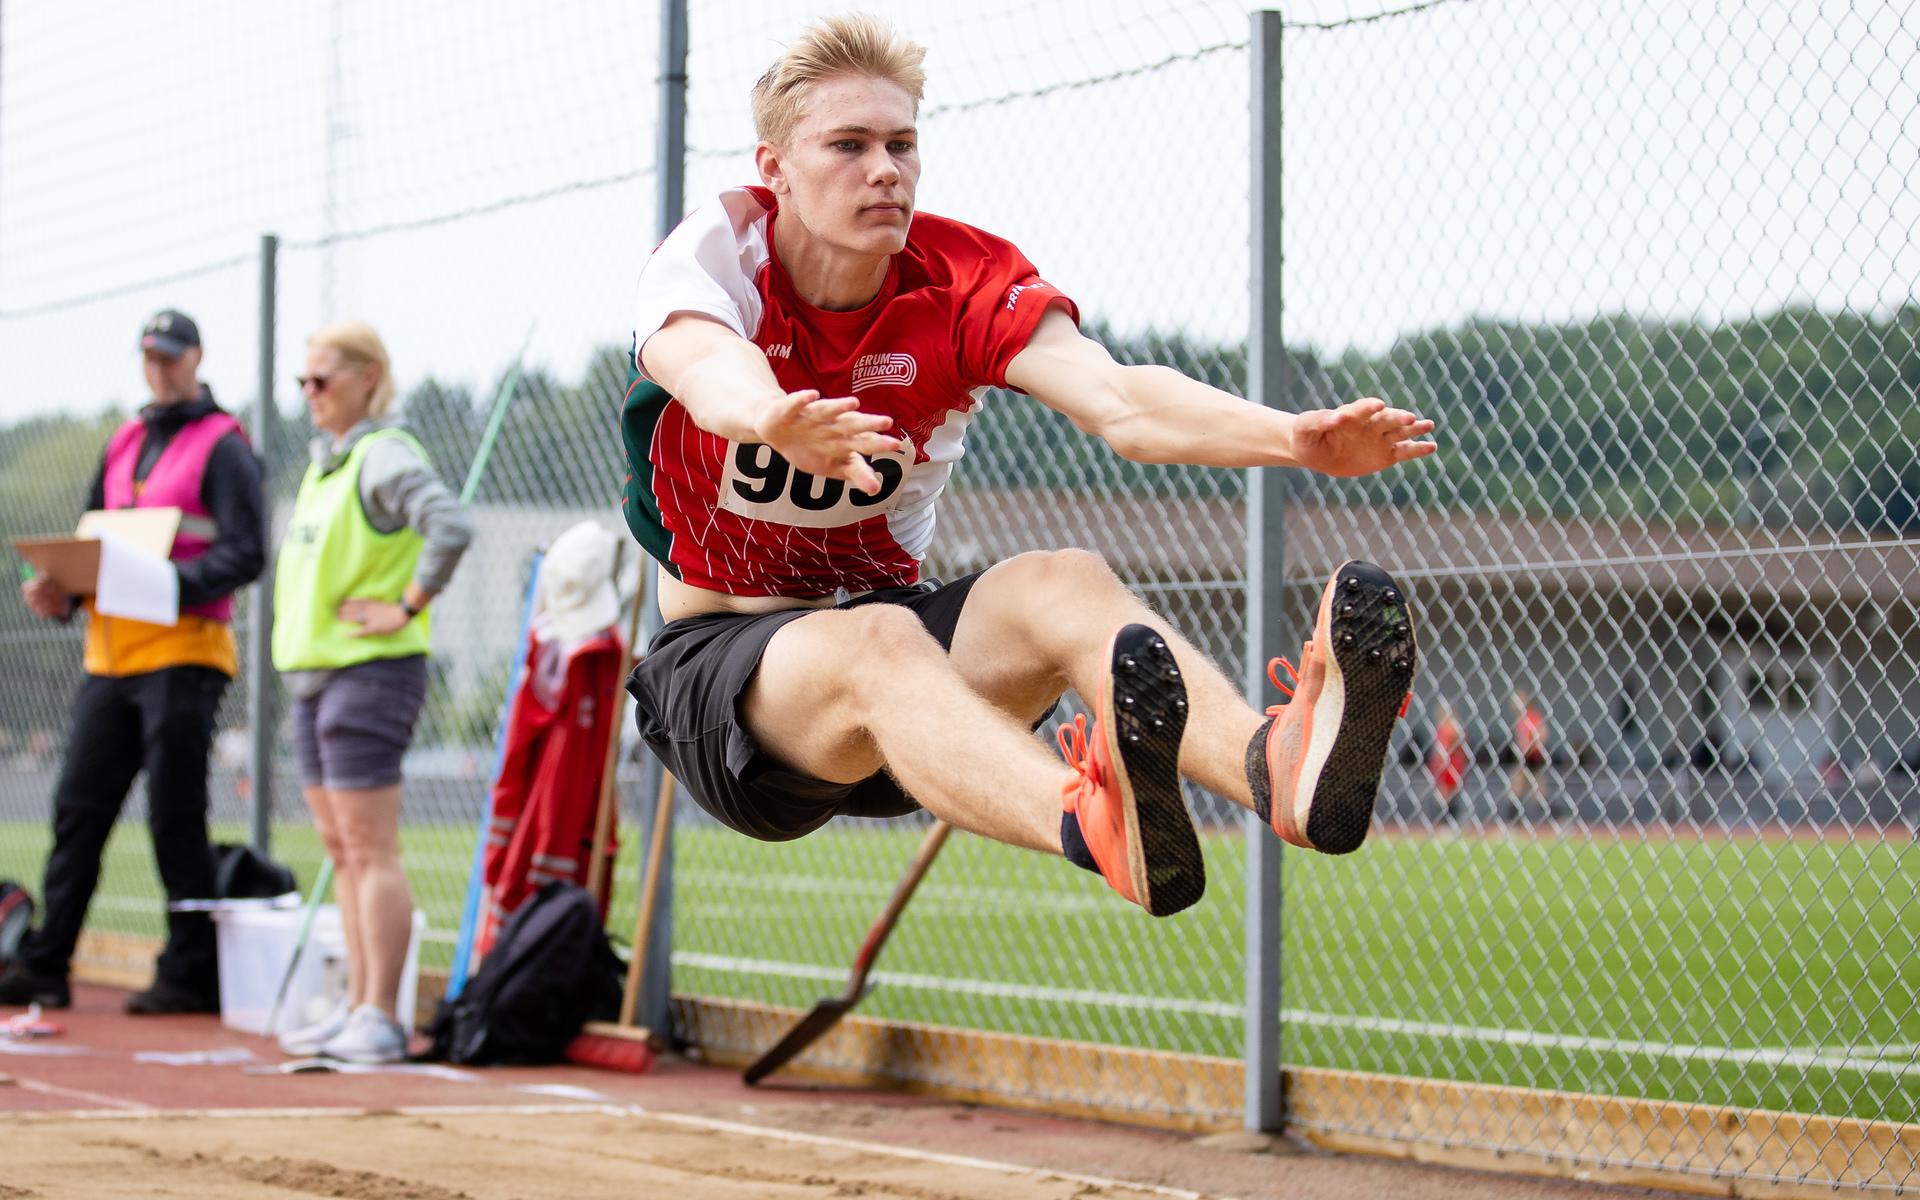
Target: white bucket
<point x="255" y="947"/>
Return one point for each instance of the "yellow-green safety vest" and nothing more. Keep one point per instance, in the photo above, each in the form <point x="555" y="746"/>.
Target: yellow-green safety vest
<point x="331" y="554"/>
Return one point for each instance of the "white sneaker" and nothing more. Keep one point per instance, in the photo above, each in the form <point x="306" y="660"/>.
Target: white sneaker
<point x="370" y="1036"/>
<point x="306" y="1042"/>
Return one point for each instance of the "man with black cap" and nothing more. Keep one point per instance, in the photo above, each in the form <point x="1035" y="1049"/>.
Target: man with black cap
<point x="151" y="691"/>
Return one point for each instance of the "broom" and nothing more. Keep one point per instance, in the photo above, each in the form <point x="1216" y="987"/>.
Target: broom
<point x="609" y="1045"/>
<point x="624" y="1046"/>
<point x="827" y="1013"/>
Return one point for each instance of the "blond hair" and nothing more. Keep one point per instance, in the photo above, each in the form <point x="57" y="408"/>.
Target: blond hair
<point x="856" y="44"/>
<point x="360" y="345"/>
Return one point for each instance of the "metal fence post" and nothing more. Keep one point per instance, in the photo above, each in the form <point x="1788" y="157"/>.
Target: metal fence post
<point x="1266" y="562"/>
<point x="261" y="705"/>
<point x="655" y="1008"/>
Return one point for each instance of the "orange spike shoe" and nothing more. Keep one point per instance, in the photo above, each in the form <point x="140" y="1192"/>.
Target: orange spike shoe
<point x="1326" y="747"/>
<point x="1125" y="793"/>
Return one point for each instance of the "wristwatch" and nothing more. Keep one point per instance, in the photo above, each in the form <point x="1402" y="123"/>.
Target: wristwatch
<point x="407" y="604"/>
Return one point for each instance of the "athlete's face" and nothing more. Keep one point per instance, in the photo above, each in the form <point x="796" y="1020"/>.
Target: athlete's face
<point x="851" y="165"/>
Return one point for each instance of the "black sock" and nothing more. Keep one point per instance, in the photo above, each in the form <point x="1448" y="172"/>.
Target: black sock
<point x="1074" y="845"/>
<point x="1257" y="772"/>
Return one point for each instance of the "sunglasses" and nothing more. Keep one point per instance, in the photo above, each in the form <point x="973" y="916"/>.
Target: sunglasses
<point x="318" y="383"/>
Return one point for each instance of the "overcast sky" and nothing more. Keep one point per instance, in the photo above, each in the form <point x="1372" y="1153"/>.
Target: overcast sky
<point x="1484" y="157"/>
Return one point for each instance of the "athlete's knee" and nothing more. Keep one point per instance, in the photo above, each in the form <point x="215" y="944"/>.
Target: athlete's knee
<point x="887" y="635"/>
<point x="830" y="678"/>
<point x="1060" y="576"/>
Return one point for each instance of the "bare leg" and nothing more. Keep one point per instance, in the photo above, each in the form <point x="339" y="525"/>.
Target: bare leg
<point x="370" y="829"/>
<point x="842" y="694"/>
<point x="1039" y="622"/>
<point x="346" y="886"/>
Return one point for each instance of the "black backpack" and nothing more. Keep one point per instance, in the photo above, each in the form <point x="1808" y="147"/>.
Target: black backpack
<point x="550" y="971"/>
<point x="240" y="872"/>
<point x="16" y="914"/>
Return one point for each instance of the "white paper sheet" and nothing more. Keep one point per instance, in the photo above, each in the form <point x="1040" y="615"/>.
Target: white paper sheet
<point x="224" y="1056"/>
<point x="136" y="584"/>
<point x="325" y="1066"/>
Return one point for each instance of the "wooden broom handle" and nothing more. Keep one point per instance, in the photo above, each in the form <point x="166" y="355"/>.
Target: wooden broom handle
<point x="643" y="925"/>
<point x="897" y="903"/>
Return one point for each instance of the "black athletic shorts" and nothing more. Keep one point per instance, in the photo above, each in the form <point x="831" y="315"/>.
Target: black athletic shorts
<point x="687" y="694"/>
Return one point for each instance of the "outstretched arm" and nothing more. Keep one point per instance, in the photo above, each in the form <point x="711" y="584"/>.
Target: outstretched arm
<point x="727" y="387"/>
<point x="1157" y="415"/>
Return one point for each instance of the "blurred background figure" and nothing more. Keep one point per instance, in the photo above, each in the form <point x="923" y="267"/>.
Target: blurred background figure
<point x="152" y="691"/>
<point x="373" y="538"/>
<point x="1447" y="760"/>
<point x="1528" y="786"/>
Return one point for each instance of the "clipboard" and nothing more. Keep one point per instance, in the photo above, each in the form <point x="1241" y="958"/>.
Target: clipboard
<point x="72" y="561"/>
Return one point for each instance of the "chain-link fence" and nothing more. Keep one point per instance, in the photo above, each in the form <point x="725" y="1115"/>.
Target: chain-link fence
<point x="1648" y="828"/>
<point x="474" y="183"/>
<point x="1651" y="268"/>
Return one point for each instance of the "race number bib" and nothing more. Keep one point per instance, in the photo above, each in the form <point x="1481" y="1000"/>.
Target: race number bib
<point x="762" y="486"/>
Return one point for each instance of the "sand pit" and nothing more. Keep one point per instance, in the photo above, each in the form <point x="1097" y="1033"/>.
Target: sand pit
<point x="535" y="1154"/>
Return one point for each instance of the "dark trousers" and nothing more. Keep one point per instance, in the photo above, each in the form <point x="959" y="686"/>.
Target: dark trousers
<point x="160" y="722"/>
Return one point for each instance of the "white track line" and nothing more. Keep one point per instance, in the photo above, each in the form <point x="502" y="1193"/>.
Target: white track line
<point x="121" y="1107"/>
<point x="974" y="899"/>
<point x="1891" y="1059"/>
<point x="632" y="1110"/>
<point x="970" y="987"/>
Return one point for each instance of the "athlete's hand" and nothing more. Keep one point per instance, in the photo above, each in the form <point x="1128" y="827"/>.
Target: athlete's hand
<point x="1358" y="438"/>
<point x="827" y="438"/>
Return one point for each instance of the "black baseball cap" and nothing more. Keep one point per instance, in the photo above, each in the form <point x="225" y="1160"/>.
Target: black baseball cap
<point x="170" y="332"/>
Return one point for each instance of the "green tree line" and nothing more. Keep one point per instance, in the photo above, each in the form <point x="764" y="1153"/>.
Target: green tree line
<point x="1797" y="417"/>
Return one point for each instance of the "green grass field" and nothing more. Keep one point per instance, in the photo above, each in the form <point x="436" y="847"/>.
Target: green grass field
<point x="1772" y="974"/>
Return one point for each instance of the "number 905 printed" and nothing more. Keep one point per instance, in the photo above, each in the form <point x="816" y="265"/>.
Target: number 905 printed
<point x="761" y="485"/>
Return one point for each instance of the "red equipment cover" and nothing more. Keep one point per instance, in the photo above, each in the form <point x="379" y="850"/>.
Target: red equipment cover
<point x="548" y="792"/>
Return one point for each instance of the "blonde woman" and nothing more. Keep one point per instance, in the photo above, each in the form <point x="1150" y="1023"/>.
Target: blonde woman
<point x="374" y="537"/>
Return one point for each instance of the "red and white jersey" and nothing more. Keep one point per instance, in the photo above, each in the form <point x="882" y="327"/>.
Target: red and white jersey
<point x="956" y="306"/>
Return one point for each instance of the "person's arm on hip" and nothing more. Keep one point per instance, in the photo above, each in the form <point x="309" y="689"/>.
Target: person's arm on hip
<point x="399" y="490"/>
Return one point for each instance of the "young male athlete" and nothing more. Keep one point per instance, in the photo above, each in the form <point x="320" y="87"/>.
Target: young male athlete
<point x="810" y="353"/>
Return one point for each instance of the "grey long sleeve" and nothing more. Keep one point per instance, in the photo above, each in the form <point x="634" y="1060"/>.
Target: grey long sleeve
<point x="399" y="490"/>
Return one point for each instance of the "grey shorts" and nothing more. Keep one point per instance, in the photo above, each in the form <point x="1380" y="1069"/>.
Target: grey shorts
<point x="352" y="733"/>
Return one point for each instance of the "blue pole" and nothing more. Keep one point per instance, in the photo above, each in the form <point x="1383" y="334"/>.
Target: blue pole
<point x="470" y="910"/>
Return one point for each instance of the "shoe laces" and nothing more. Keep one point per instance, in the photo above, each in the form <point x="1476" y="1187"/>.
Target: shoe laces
<point x="1274" y="667"/>
<point x="1077" y="750"/>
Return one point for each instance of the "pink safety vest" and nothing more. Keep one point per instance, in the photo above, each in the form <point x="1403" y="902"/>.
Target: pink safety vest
<point x="174" y="482"/>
